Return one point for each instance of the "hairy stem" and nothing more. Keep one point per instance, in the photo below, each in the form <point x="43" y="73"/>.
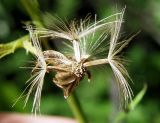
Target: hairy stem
<point x="76" y="108"/>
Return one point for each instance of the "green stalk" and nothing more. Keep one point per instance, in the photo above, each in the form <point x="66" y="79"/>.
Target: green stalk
<point x="32" y="8"/>
<point x="76" y="108"/>
<point x="8" y="48"/>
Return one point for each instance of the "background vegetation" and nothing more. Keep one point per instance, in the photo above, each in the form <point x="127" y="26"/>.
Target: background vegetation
<point x="97" y="97"/>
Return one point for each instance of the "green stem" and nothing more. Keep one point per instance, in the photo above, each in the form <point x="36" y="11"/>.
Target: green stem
<point x="23" y="42"/>
<point x="76" y="108"/>
<point x="32" y="7"/>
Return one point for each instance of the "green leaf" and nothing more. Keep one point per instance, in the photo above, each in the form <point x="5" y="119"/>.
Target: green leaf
<point x="138" y="98"/>
<point x="122" y="114"/>
<point x="23" y="42"/>
<point x="9" y="48"/>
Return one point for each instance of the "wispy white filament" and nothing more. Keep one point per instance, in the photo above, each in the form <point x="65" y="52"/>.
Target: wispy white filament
<point x="83" y="33"/>
<point x="37" y="79"/>
<point x="98" y="25"/>
<point x="114" y="61"/>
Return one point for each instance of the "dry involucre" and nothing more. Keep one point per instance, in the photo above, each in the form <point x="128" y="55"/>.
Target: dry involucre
<point x="88" y="47"/>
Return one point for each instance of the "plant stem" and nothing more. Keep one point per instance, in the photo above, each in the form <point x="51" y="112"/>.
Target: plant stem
<point x="32" y="7"/>
<point x="76" y="108"/>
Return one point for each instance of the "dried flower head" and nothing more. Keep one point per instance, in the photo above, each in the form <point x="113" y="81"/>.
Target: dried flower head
<point x="88" y="46"/>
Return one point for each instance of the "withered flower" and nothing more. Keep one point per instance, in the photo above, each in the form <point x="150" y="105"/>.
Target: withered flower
<point x="88" y="45"/>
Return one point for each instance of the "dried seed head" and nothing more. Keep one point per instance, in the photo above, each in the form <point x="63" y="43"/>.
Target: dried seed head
<point x="89" y="47"/>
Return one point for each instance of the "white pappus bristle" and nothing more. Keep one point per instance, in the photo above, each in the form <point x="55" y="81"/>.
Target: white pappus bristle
<point x="37" y="79"/>
<point x="119" y="70"/>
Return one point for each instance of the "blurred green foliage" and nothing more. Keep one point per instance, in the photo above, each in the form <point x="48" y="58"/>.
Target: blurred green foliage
<point x="96" y="97"/>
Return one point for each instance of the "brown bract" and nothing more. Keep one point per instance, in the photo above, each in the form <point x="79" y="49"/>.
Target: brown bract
<point x="69" y="72"/>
